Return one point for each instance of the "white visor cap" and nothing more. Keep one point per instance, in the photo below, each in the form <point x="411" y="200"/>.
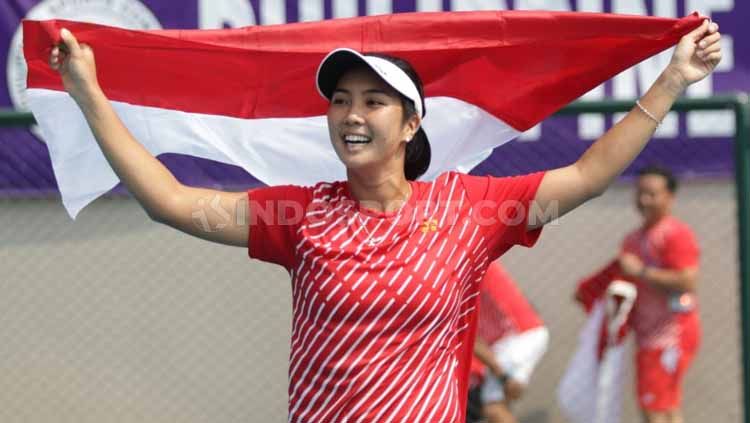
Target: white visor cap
<point x="333" y="66"/>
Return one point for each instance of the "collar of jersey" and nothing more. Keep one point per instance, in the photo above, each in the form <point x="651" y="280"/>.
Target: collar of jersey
<point x="411" y="202"/>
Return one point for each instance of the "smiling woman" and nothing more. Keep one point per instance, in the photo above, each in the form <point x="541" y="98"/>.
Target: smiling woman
<point x="385" y="269"/>
<point x="374" y="99"/>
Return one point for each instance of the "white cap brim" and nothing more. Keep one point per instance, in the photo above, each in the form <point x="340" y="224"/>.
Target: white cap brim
<point x="337" y="62"/>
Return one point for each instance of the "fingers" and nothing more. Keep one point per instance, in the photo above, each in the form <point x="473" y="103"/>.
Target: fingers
<point x="700" y="31"/>
<point x="703" y="53"/>
<point x="709" y="47"/>
<point x="709" y="40"/>
<point x="54" y="58"/>
<point x="713" y="58"/>
<point x="69" y="41"/>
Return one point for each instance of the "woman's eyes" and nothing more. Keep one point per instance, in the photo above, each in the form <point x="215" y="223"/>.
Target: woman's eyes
<point x="369" y="102"/>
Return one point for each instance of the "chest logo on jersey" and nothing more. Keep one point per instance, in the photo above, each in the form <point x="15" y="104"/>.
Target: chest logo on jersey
<point x="429" y="225"/>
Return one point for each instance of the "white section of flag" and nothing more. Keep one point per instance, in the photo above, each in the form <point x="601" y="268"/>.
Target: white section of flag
<point x="461" y="136"/>
<point x="590" y="390"/>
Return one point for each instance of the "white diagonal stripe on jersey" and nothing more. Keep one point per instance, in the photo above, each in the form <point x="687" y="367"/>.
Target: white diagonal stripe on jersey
<point x="299" y="320"/>
<point x="292" y="395"/>
<point x="440" y="250"/>
<point x="302" y="241"/>
<point x="430" y="328"/>
<point x="469" y="298"/>
<point x="450" y="256"/>
<point x="387" y="266"/>
<point x="325" y="282"/>
<point x="403" y="286"/>
<point x="372" y="285"/>
<point x="444" y="357"/>
<point x="401" y="269"/>
<point x="414" y="251"/>
<point x="316" y="224"/>
<point x="429" y="198"/>
<point x="437" y="206"/>
<point x="414" y="371"/>
<point x="345" y="229"/>
<point x="333" y="292"/>
<point x="372" y="372"/>
<point x="320" y="329"/>
<point x="459" y="208"/>
<point x="298" y="285"/>
<point x="401" y="251"/>
<point x="359" y="281"/>
<point x="466" y="312"/>
<point x="303" y="299"/>
<point x="442" y="289"/>
<point x="331" y="355"/>
<point x="429" y="270"/>
<point x="351" y="272"/>
<point x="420" y="395"/>
<point x="419" y="263"/>
<point x="341" y="361"/>
<point x="471" y="240"/>
<point x="433" y="240"/>
<point x="363" y="353"/>
<point x="447" y="203"/>
<point x="311" y="324"/>
<point x="451" y="387"/>
<point x="329" y="227"/>
<point x="466" y="225"/>
<point x="377" y="262"/>
<point x="437" y="278"/>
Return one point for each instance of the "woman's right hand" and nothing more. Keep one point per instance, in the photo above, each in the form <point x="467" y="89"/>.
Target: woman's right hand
<point x="76" y="65"/>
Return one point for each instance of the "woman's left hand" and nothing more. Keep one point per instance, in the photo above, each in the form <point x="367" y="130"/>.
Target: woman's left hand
<point x="697" y="54"/>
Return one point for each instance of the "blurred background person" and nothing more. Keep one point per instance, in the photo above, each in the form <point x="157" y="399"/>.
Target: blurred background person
<point x="662" y="257"/>
<point x="511" y="339"/>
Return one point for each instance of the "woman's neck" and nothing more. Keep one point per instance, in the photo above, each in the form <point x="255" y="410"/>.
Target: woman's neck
<point x="384" y="192"/>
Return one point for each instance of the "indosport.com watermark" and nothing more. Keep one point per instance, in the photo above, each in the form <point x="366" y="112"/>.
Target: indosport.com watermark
<point x="210" y="215"/>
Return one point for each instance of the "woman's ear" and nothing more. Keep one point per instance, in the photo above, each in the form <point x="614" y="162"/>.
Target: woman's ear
<point x="412" y="126"/>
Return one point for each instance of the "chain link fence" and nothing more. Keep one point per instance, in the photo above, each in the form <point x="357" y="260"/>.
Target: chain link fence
<point x="113" y="318"/>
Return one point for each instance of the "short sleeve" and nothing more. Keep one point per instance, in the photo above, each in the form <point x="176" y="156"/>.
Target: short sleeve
<point x="680" y="249"/>
<point x="275" y="216"/>
<point x="501" y="206"/>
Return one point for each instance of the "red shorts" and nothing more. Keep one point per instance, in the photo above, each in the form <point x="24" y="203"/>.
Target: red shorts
<point x="660" y="371"/>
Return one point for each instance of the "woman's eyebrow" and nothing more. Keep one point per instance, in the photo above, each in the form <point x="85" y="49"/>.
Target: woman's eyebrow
<point x="370" y="91"/>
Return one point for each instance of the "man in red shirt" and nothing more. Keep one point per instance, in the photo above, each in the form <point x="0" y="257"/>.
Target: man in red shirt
<point x="511" y="339"/>
<point x="661" y="256"/>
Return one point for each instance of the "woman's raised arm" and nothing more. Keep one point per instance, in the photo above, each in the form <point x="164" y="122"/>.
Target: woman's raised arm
<point x="564" y="189"/>
<point x="209" y="214"/>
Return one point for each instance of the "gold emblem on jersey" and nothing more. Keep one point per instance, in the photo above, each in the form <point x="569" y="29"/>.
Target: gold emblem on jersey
<point x="429" y="225"/>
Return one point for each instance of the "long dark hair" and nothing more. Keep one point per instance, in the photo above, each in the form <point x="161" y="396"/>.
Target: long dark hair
<point x="418" y="152"/>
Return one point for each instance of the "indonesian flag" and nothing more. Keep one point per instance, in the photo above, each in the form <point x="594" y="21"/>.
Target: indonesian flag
<point x="247" y="96"/>
<point x="591" y="388"/>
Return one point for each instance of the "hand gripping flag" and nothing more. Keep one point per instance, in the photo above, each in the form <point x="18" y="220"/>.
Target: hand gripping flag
<point x="247" y="96"/>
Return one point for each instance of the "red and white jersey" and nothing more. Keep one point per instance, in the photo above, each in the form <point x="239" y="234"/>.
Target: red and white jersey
<point x="503" y="309"/>
<point x="384" y="303"/>
<point x="669" y="244"/>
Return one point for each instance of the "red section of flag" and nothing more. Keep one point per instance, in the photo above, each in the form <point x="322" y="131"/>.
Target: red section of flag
<point x="520" y="66"/>
<point x="593" y="287"/>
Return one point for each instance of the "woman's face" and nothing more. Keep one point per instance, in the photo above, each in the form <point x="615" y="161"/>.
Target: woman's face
<point x="366" y="122"/>
<point x="653" y="198"/>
